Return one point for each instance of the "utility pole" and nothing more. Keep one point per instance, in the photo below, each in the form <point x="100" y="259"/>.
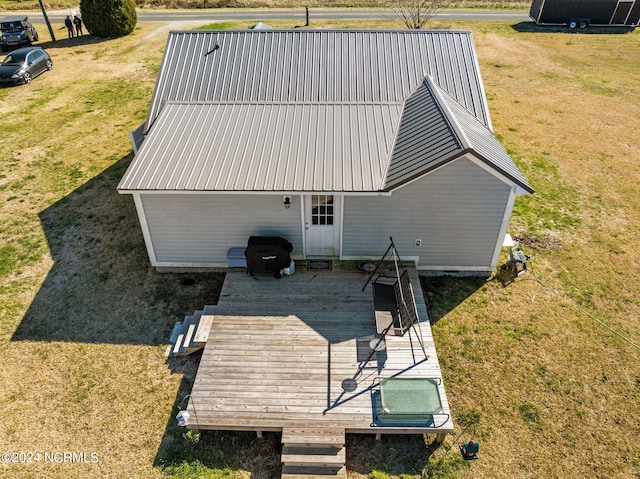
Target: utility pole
<point x="46" y="20"/>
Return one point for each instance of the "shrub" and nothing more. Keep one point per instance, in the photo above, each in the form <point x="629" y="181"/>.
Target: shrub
<point x="109" y="18"/>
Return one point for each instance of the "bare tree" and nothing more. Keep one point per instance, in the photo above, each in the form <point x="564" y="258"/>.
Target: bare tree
<point x="414" y="13"/>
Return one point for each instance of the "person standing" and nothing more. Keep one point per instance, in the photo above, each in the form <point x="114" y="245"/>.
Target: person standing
<point x="77" y="21"/>
<point x="69" y="24"/>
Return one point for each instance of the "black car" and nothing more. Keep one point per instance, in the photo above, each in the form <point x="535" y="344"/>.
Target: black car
<point x="21" y="66"/>
<point x="16" y="30"/>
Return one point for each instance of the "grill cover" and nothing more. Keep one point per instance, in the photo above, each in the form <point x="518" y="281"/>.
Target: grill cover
<point x="268" y="254"/>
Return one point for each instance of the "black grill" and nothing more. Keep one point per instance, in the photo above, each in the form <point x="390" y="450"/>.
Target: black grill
<point x="268" y="254"/>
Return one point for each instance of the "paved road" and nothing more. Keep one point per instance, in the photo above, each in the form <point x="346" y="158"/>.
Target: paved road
<point x="221" y="15"/>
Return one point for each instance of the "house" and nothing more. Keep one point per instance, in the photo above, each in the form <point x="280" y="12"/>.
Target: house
<point x="333" y="139"/>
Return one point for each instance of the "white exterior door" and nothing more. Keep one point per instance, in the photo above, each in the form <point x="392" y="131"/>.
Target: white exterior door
<point x="322" y="225"/>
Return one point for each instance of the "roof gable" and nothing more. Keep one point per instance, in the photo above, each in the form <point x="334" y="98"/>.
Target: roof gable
<point x="435" y="128"/>
<point x="476" y="137"/>
<point x="424" y="138"/>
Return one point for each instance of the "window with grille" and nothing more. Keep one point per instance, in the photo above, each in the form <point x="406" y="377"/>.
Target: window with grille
<point x="322" y="209"/>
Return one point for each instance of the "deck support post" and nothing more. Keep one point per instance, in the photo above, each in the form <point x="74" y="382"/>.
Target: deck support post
<point x="378" y="436"/>
<point x="441" y="437"/>
<point x="259" y="434"/>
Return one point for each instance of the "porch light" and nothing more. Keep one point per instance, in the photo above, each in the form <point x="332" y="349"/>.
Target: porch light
<point x="287" y="201"/>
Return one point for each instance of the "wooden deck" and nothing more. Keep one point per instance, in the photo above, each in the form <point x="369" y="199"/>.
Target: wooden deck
<point x="279" y="350"/>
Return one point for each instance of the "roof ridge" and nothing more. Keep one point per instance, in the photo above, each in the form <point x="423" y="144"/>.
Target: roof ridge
<point x="438" y="93"/>
<point x="476" y="145"/>
<point x="286" y="103"/>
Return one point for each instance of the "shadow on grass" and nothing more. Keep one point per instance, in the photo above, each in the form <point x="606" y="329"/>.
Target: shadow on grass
<point x="101" y="287"/>
<point x="531" y="27"/>
<point x="63" y="42"/>
<point x="442" y="294"/>
<point x="189" y="454"/>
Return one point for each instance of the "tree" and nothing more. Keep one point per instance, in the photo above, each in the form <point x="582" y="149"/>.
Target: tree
<point x="414" y="13"/>
<point x="109" y="18"/>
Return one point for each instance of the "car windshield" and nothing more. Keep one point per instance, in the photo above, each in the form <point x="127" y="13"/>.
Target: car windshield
<point x="14" y="59"/>
<point x="11" y="26"/>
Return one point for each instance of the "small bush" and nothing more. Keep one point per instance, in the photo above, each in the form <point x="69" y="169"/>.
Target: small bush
<point x="109" y="18"/>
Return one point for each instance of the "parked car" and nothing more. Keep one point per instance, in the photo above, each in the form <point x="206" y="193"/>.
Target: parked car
<point x="16" y="30"/>
<point x="23" y="65"/>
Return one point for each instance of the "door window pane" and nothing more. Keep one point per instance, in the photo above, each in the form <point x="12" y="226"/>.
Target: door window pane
<point x="322" y="210"/>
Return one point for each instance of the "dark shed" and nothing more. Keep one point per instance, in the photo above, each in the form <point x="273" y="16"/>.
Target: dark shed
<point x="582" y="13"/>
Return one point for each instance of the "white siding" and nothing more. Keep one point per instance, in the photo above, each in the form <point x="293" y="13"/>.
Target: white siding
<point x="199" y="229"/>
<point x="456" y="211"/>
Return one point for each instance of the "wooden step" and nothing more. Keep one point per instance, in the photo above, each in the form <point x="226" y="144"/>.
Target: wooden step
<point x="167" y="352"/>
<point x="177" y="329"/>
<point x="314" y="456"/>
<point x="313" y="437"/>
<point x="190" y="335"/>
<point x="178" y="347"/>
<point x="202" y="331"/>
<point x="189" y="345"/>
<point x="297" y="472"/>
<point x="191" y="319"/>
<point x="313" y="452"/>
<point x="189" y="326"/>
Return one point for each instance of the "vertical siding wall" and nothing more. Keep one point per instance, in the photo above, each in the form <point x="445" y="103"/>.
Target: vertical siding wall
<point x="457" y="212"/>
<point x="188" y="229"/>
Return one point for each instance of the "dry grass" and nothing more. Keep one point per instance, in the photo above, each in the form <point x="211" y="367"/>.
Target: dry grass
<point x="557" y="393"/>
<point x="83" y="317"/>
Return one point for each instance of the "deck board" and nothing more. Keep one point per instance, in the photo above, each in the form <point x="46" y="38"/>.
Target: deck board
<point x="279" y="349"/>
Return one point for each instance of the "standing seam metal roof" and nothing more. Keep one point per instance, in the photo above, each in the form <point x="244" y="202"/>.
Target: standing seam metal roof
<point x="424" y="137"/>
<point x="477" y="137"/>
<point x="343" y="111"/>
<point x="435" y="128"/>
<point x="267" y="147"/>
<point x="316" y="66"/>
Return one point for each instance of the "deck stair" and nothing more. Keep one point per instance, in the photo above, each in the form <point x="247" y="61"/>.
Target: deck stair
<point x="191" y="334"/>
<point x="313" y="452"/>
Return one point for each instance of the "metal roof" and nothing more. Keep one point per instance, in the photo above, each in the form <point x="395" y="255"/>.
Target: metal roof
<point x="434" y="129"/>
<point x="476" y="137"/>
<point x="266" y="147"/>
<point x="425" y="137"/>
<point x="317" y="66"/>
<point x="351" y="111"/>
